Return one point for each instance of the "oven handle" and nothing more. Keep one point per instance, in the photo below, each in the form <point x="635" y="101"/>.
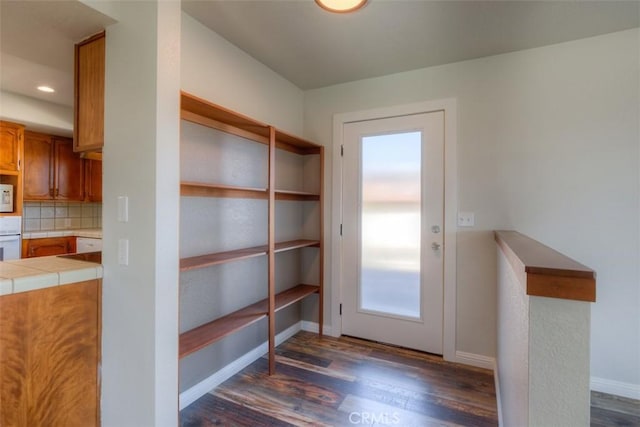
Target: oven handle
<point x="12" y="238"/>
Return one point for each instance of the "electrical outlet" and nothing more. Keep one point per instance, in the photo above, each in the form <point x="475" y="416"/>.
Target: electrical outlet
<point x="466" y="219"/>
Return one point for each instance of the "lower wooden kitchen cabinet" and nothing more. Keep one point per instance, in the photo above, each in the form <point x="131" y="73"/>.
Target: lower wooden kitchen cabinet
<point x="47" y="246"/>
<point x="49" y="356"/>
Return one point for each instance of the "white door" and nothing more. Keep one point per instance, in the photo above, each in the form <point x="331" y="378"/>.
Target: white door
<point x="393" y="208"/>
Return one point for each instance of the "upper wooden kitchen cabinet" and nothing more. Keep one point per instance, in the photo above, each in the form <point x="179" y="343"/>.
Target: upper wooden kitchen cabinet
<point x="11" y="135"/>
<point x="89" y="94"/>
<point x="11" y="154"/>
<point x="93" y="180"/>
<point x="52" y="171"/>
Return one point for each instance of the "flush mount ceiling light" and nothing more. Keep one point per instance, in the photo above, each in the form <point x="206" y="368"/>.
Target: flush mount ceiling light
<point x="341" y="6"/>
<point x="46" y="89"/>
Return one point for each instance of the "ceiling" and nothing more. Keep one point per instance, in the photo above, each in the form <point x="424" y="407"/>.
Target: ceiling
<point x="37" y="45"/>
<point x="308" y="46"/>
<point x="313" y="48"/>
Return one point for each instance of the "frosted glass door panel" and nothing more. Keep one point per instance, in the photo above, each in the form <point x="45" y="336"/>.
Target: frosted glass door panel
<point x="390" y="224"/>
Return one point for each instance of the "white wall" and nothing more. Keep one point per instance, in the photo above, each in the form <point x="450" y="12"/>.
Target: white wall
<point x="141" y="161"/>
<point x="547" y="145"/>
<point x="214" y="69"/>
<point x="36" y="115"/>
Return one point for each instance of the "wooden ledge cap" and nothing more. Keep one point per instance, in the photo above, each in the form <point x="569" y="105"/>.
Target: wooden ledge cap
<point x="547" y="272"/>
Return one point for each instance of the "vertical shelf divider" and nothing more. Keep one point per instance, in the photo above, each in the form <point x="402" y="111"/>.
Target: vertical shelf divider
<point x="272" y="249"/>
<point x="321" y="253"/>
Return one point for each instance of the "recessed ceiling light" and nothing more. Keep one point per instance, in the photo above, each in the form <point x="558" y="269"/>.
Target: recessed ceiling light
<point x="46" y="89"/>
<point x="341" y="6"/>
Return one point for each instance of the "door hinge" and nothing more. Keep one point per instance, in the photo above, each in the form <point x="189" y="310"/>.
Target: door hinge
<point x="340" y="309"/>
<point x="341" y="229"/>
<point x="342" y="150"/>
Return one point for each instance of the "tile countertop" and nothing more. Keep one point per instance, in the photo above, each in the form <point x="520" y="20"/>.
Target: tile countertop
<point x="95" y="233"/>
<point x="29" y="274"/>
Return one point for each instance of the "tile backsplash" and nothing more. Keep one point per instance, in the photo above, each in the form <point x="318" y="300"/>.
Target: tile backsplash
<point x="46" y="216"/>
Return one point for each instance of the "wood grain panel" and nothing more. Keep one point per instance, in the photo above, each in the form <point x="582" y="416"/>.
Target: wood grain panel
<point x="55" y="332"/>
<point x="89" y="93"/>
<point x="14" y="366"/>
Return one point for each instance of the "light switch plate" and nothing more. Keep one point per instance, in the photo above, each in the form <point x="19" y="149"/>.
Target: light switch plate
<point x="123" y="208"/>
<point x="466" y="219"/>
<point x="123" y="251"/>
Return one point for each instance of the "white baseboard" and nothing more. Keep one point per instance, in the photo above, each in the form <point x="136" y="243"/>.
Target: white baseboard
<point x="313" y="327"/>
<point x="192" y="394"/>
<point x="618" y="388"/>
<point x="477" y="360"/>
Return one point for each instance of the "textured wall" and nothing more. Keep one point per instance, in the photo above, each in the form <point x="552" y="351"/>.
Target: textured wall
<point x="513" y="345"/>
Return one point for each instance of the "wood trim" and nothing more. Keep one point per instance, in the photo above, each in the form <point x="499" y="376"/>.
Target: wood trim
<point x="544" y="271"/>
<point x="575" y="288"/>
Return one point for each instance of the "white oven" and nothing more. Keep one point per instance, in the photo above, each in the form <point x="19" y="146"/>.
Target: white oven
<point x="10" y="229"/>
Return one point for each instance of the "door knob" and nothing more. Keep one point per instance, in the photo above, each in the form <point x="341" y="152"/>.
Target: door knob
<point x="435" y="246"/>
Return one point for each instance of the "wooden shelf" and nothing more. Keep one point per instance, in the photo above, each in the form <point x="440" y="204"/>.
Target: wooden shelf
<point x="202" y="261"/>
<point x="204" y="335"/>
<point x="207" y="260"/>
<point x="288" y="142"/>
<point x="205" y="113"/>
<point x="296" y="244"/>
<point x="296" y="195"/>
<point x="208" y="333"/>
<point x="200" y="111"/>
<point x="199" y="189"/>
<point x="8" y="172"/>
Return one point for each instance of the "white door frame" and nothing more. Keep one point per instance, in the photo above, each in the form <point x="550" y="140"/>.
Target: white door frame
<point x="450" y="209"/>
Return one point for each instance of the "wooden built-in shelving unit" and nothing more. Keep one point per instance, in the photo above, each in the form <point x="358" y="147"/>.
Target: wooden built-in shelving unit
<point x="201" y="112"/>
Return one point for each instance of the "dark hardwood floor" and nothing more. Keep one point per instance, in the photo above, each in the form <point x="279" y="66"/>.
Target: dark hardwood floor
<point x="608" y="411"/>
<point x="347" y="381"/>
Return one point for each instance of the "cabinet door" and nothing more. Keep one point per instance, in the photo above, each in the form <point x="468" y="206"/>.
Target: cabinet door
<point x="38" y="166"/>
<point x="89" y="88"/>
<point x="69" y="171"/>
<point x="48" y="246"/>
<point x="10" y="137"/>
<point x="93" y="177"/>
<point x="50" y="341"/>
